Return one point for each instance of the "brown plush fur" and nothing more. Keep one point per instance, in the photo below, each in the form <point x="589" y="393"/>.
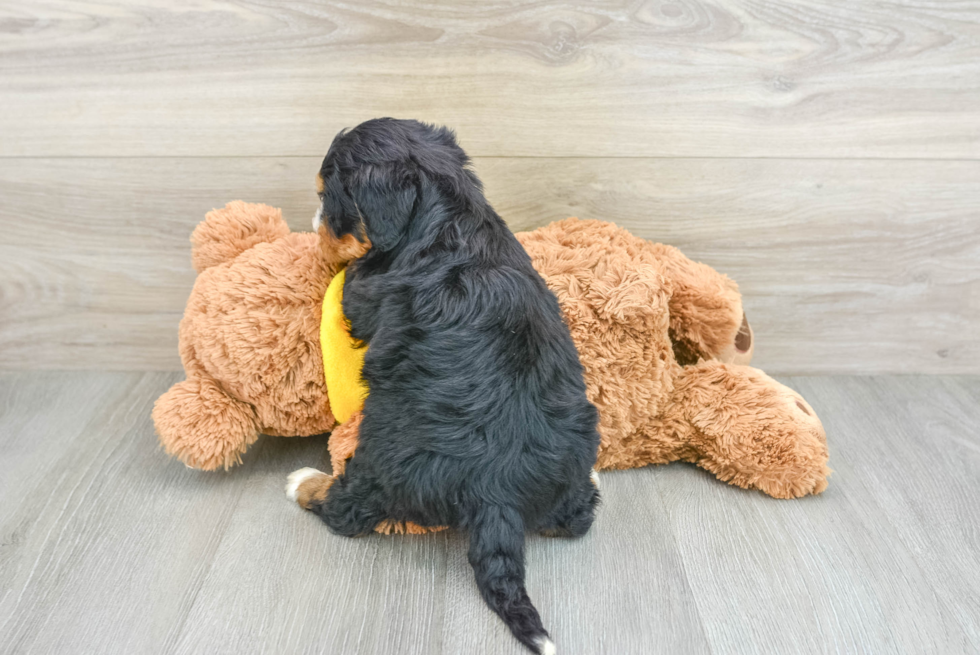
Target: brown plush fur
<point x="250" y="347"/>
<point x="249" y="339"/>
<point x="624" y="299"/>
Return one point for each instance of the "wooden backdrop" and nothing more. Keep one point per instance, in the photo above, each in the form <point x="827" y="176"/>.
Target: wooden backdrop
<point x="825" y="154"/>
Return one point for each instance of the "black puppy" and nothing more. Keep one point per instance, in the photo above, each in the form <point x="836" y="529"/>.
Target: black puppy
<point x="477" y="416"/>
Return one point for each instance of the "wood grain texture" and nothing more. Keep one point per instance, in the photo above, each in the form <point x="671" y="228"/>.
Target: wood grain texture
<point x="87" y="564"/>
<point x="282" y="583"/>
<point x="620" y="589"/>
<point x="853" y="266"/>
<point x="814" y="78"/>
<point x="885" y="561"/>
<point x="52" y="409"/>
<point x="106" y="546"/>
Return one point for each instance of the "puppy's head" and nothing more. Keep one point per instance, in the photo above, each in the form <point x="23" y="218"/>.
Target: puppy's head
<point x="373" y="177"/>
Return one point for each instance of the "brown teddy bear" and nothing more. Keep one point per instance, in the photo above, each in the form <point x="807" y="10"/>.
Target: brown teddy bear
<point x="663" y="341"/>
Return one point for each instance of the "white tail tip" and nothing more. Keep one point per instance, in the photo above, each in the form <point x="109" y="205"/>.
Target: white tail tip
<point x="546" y="646"/>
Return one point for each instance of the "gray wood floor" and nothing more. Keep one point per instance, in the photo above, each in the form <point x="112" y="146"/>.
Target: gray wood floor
<point x="106" y="546"/>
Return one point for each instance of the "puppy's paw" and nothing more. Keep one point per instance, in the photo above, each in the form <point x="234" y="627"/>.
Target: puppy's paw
<point x="308" y="487"/>
<point x="296" y="478"/>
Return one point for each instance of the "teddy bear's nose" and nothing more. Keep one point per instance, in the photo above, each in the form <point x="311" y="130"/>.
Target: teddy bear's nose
<point x="743" y="340"/>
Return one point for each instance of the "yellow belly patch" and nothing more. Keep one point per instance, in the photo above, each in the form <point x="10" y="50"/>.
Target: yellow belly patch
<point x="343" y="356"/>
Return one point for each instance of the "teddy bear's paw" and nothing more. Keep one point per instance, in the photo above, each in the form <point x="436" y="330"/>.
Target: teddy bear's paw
<point x="752" y="431"/>
<point x="797" y="464"/>
<point x="308" y="486"/>
<point x="807" y="469"/>
<point x="803" y="478"/>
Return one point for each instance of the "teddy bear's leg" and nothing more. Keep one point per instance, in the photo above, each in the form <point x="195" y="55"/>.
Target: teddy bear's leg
<point x="202" y="426"/>
<point x="706" y="316"/>
<point x="748" y="429"/>
<point x="574" y="514"/>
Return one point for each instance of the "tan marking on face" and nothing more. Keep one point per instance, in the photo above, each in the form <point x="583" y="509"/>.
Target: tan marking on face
<point x="313" y="491"/>
<point x="319" y="183"/>
<point x="345" y="249"/>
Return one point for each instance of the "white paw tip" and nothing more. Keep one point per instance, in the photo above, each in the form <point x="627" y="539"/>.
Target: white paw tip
<point x="595" y="478"/>
<point x="297" y="478"/>
<point x="547" y="647"/>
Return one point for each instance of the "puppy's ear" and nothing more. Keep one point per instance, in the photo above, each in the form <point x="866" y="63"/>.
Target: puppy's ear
<point x="384" y="197"/>
<point x="338" y="208"/>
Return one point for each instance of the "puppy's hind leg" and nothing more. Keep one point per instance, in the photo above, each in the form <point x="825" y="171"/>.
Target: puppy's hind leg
<point x="351" y="504"/>
<point x="574" y="513"/>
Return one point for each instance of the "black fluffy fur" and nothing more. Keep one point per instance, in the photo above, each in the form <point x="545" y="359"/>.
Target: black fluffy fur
<point x="477" y="416"/>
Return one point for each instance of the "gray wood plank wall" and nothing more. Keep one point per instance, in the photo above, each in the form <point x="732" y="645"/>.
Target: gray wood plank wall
<point x="826" y="155"/>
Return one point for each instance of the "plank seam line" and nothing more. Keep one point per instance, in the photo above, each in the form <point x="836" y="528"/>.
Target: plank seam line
<point x="541" y="157"/>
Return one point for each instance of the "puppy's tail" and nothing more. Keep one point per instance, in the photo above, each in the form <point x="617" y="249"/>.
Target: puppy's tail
<point x="497" y="557"/>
